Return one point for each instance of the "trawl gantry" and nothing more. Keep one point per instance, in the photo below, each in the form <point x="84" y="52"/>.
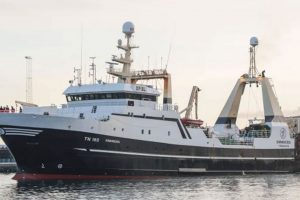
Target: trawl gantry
<point x="226" y="122"/>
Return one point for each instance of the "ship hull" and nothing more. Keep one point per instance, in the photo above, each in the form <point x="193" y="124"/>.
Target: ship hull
<point x="63" y="153"/>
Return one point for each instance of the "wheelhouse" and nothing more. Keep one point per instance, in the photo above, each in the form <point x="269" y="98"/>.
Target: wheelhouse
<point x="112" y="92"/>
<point x="110" y="95"/>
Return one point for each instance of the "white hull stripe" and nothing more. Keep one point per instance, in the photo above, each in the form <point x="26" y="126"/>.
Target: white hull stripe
<point x="25" y="132"/>
<point x="22" y="129"/>
<point x="20" y="134"/>
<point x="181" y="156"/>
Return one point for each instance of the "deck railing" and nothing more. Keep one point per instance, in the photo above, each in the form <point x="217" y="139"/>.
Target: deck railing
<point x="231" y="141"/>
<point x="246" y="138"/>
<point x="256" y="133"/>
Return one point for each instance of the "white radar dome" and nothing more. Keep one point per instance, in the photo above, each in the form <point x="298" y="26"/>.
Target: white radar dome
<point x="128" y="28"/>
<point x="253" y="41"/>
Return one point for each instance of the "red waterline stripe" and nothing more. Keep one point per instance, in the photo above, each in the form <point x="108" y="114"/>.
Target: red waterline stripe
<point x="29" y="176"/>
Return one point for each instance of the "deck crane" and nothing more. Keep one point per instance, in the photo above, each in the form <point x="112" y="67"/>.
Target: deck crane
<point x="187" y="121"/>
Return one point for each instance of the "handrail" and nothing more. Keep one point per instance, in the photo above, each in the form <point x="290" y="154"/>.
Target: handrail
<point x="256" y="133"/>
<point x="230" y="141"/>
<point x="246" y="138"/>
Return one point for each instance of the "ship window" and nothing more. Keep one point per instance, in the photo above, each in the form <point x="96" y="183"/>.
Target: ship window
<point x="77" y="98"/>
<point x="129" y="96"/>
<point x="169" y="133"/>
<point x="149" y="132"/>
<point x="108" y="96"/>
<point x="97" y="96"/>
<point x="92" y="96"/>
<point x="94" y="109"/>
<point x="81" y="116"/>
<point x="114" y="96"/>
<point x="142" y="131"/>
<point x="130" y="103"/>
<point x="121" y="95"/>
<point x="69" y="98"/>
<point x="137" y="96"/>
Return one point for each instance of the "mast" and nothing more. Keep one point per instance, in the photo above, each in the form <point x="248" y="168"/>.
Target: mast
<point x="128" y="30"/>
<point x="92" y="72"/>
<point x="253" y="72"/>
<point x="131" y="77"/>
<point x="28" y="79"/>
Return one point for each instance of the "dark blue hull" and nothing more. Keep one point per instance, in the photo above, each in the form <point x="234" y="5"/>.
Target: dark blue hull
<point x="79" y="153"/>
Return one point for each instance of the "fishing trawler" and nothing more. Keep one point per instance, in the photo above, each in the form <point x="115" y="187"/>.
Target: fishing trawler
<point x="119" y="130"/>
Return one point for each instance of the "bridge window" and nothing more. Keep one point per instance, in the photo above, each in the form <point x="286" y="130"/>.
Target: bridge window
<point x="108" y="96"/>
<point x="122" y="95"/>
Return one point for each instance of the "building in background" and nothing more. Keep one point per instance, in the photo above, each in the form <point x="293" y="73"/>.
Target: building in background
<point x="7" y="161"/>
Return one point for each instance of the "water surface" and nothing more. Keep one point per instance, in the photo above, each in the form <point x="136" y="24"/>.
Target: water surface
<point x="271" y="186"/>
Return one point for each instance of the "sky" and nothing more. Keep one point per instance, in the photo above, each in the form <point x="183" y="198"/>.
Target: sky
<point x="206" y="41"/>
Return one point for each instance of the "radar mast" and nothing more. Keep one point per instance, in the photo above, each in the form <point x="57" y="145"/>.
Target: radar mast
<point x="253" y="72"/>
<point x="127" y="76"/>
<point x="128" y="30"/>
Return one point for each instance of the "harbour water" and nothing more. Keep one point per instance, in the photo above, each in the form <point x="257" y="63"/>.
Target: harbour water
<point x="270" y="186"/>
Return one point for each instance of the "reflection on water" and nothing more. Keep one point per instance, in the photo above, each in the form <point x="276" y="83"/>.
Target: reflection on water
<point x="202" y="187"/>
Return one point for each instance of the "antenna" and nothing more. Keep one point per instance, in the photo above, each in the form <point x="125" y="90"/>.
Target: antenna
<point x="148" y="62"/>
<point x="77" y="76"/>
<point x="93" y="69"/>
<point x="170" y="48"/>
<point x="81" y="48"/>
<point x="28" y="79"/>
<point x="111" y="65"/>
